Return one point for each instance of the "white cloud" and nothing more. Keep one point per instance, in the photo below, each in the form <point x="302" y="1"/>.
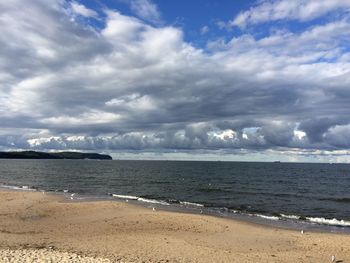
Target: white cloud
<point x="133" y="86"/>
<point x="122" y="28"/>
<point x="302" y="10"/>
<point x="338" y="135"/>
<point x="82" y="10"/>
<point x="93" y="117"/>
<point x="146" y="10"/>
<point x="204" y="30"/>
<point x="134" y="102"/>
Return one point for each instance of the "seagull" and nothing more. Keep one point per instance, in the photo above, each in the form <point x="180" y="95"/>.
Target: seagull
<point x="71" y="196"/>
<point x="333" y="258"/>
<point x="302" y="231"/>
<point x="153" y="209"/>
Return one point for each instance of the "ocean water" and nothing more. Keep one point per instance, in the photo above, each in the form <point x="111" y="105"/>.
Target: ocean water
<point x="286" y="194"/>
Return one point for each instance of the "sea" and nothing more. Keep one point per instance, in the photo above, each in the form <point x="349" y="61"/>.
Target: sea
<point x="305" y="196"/>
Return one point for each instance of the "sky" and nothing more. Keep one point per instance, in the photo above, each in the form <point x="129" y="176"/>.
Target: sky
<point x="260" y="80"/>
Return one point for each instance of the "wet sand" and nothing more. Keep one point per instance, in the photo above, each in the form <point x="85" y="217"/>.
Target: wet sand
<point x="38" y="227"/>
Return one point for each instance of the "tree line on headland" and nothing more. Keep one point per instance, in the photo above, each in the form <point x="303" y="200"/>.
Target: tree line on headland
<point x="53" y="155"/>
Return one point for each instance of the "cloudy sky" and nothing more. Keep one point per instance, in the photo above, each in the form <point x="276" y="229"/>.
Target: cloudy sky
<point x="204" y="79"/>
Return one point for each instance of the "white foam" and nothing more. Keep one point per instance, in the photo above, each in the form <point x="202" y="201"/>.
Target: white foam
<point x="325" y="221"/>
<point x="131" y="197"/>
<point x="27" y="188"/>
<point x="152" y="201"/>
<point x="290" y="216"/>
<point x="192" y="204"/>
<point x="12" y="187"/>
<point x="140" y="199"/>
<point x="268" y="217"/>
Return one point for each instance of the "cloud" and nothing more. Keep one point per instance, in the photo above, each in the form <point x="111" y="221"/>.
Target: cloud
<point x="338" y="136"/>
<point x="146" y="10"/>
<point x="131" y="86"/>
<point x="83" y="10"/>
<point x="204" y="30"/>
<point x="301" y="10"/>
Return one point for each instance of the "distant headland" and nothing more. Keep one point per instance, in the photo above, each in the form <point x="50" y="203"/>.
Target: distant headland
<point x="53" y="155"/>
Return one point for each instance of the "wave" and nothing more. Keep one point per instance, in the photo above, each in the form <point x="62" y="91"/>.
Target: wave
<point x="12" y="187"/>
<point x="209" y="190"/>
<point x="131" y="197"/>
<point x="314" y="220"/>
<point x="325" y="221"/>
<point x="275" y="218"/>
<point x="173" y="201"/>
<point x="156" y="201"/>
<point x="152" y="201"/>
<point x="339" y="200"/>
<point x="317" y="220"/>
<point x="140" y="199"/>
<point x="191" y="204"/>
<point x="290" y="216"/>
<point x="159" y="182"/>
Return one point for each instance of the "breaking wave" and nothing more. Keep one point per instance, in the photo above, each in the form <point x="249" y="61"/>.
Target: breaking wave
<point x="140" y="199"/>
<point x="325" y="221"/>
<point x="23" y="188"/>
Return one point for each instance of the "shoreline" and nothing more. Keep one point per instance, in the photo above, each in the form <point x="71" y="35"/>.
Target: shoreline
<point x="123" y="232"/>
<point x="274" y="221"/>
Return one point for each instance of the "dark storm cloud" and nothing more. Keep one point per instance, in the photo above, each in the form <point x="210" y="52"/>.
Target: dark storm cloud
<point x="133" y="86"/>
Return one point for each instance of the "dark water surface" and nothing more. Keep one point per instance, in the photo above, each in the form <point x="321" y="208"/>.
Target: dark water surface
<point x="316" y="194"/>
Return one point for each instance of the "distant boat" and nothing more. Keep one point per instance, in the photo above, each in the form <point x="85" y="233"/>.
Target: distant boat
<point x="277" y="161"/>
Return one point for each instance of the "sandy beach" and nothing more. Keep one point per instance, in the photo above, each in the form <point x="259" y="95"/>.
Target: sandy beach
<point x="41" y="227"/>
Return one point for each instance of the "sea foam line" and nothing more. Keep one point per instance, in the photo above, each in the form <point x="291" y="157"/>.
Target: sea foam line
<point x="325" y="221"/>
<point x="140" y="199"/>
<point x="318" y="220"/>
<point x="152" y="201"/>
<point x="22" y="188"/>
<point x="275" y="218"/>
<point x="290" y="216"/>
<point x="191" y="204"/>
<point x="131" y="197"/>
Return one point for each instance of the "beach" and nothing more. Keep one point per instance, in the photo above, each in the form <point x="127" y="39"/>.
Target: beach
<point x="38" y="226"/>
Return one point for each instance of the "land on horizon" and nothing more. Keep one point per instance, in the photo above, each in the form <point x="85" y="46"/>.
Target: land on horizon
<point x="53" y="155"/>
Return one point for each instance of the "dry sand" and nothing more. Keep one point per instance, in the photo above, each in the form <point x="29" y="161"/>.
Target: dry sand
<point x="37" y="227"/>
